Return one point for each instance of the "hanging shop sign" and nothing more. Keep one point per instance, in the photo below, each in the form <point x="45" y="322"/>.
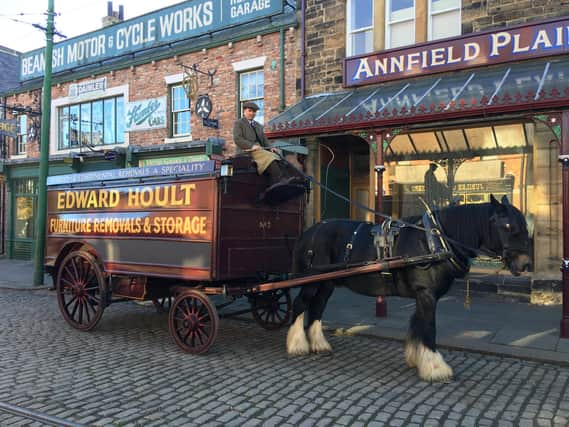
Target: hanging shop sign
<point x="90" y="87"/>
<point x="203" y="106"/>
<point x="9" y="128"/>
<point x="171" y="24"/>
<point x="145" y="114"/>
<point x="493" y="47"/>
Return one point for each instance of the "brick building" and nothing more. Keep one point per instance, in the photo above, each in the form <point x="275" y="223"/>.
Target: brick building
<point x="477" y="87"/>
<point x="118" y="96"/>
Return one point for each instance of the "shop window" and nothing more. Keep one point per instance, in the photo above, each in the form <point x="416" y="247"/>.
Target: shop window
<point x="22" y="138"/>
<point x="360" y="27"/>
<point x="444" y="19"/>
<point x="251" y="88"/>
<point x="99" y="122"/>
<point x="400" y="23"/>
<point x="181" y="114"/>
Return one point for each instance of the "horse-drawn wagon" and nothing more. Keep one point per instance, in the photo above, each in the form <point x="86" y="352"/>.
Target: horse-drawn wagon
<point x="178" y="234"/>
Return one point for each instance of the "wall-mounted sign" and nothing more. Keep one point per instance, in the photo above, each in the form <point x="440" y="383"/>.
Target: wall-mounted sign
<point x="211" y="123"/>
<point x="146" y="114"/>
<point x="203" y="106"/>
<point x="171" y="24"/>
<point x="170" y="160"/>
<point x="493" y="47"/>
<point x="91" y="86"/>
<point x="9" y="128"/>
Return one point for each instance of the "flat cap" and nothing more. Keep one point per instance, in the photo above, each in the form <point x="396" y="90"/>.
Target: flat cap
<point x="250" y="105"/>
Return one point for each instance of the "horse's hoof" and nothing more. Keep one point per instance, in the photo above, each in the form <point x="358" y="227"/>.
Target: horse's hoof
<point x="296" y="342"/>
<point x="318" y="342"/>
<point x="431" y="366"/>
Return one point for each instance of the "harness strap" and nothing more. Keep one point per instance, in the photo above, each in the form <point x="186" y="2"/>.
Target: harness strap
<point x="310" y="252"/>
<point x="350" y="244"/>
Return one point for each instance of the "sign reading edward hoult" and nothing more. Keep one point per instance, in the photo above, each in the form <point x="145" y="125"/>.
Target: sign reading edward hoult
<point x="512" y="44"/>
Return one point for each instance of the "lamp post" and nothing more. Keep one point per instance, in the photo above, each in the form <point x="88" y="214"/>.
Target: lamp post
<point x="44" y="152"/>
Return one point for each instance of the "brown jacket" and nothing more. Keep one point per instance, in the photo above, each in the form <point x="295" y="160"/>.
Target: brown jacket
<point x="245" y="135"/>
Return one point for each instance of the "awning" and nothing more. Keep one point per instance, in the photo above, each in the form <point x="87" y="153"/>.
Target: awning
<point x="524" y="86"/>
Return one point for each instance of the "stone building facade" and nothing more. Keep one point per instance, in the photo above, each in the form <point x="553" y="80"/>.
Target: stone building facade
<point x="531" y="178"/>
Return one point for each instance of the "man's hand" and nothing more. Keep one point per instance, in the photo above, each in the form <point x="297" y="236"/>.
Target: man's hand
<point x="256" y="147"/>
<point x="277" y="151"/>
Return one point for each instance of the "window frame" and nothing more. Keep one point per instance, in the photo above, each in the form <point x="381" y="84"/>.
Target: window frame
<point x="173" y="112"/>
<point x="80" y="106"/>
<point x="350" y="32"/>
<point x="389" y="23"/>
<point x="430" y="15"/>
<point x="255" y="99"/>
<point x="21" y="141"/>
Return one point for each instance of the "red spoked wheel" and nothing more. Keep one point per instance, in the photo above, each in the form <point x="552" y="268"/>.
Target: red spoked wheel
<point x="81" y="290"/>
<point x="193" y="321"/>
<point x="272" y="309"/>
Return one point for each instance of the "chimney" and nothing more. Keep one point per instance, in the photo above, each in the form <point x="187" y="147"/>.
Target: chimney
<point x="113" y="16"/>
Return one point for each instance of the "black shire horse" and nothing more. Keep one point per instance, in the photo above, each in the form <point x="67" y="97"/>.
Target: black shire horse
<point x="496" y="228"/>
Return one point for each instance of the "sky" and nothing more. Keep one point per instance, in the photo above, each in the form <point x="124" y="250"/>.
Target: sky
<point x="75" y="17"/>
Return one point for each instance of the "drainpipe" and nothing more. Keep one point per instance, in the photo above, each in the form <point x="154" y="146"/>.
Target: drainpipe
<point x="302" y="47"/>
<point x="564" y="159"/>
<point x="282" y="73"/>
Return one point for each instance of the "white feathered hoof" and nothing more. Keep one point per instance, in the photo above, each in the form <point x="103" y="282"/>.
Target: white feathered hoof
<point x="296" y="342"/>
<point x="411" y="352"/>
<point x="318" y="342"/>
<point x="431" y="365"/>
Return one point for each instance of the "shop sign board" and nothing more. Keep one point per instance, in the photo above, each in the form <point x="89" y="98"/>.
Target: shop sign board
<point x="90" y="87"/>
<point x="145" y="114"/>
<point x="168" y="25"/>
<point x="193" y="168"/>
<point x="9" y="128"/>
<point x="493" y="47"/>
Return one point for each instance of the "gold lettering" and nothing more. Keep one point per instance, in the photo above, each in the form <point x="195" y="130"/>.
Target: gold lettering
<point x="162" y="200"/>
<point x="133" y="198"/>
<point x="187" y="188"/>
<point x="103" y="199"/>
<point x="60" y="200"/>
<point x="146" y="197"/>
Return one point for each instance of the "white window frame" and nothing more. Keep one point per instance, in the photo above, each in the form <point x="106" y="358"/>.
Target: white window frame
<point x="22" y="138"/>
<point x="240" y="101"/>
<point x="172" y="112"/>
<point x="61" y="102"/>
<point x="350" y="31"/>
<point x="388" y="23"/>
<point x="430" y="14"/>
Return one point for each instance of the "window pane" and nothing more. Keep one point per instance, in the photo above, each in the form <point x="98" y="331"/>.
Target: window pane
<point x="120" y="119"/>
<point x="97" y="119"/>
<point x="182" y="123"/>
<point x="64" y="127"/>
<point x="260" y="117"/>
<point x="74" y="126"/>
<point x="361" y="14"/>
<point x="439" y="5"/>
<point x="24" y="223"/>
<point x="244" y="85"/>
<point x="402" y="34"/>
<point x="85" y="127"/>
<point x="445" y="25"/>
<point x="109" y="130"/>
<point x="401" y="6"/>
<point x="361" y="42"/>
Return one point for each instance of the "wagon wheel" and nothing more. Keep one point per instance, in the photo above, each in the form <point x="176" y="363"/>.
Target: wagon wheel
<point x="81" y="289"/>
<point x="272" y="309"/>
<point x="193" y="322"/>
<point x="163" y="304"/>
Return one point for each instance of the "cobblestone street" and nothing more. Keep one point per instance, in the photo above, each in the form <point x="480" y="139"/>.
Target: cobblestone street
<point x="129" y="372"/>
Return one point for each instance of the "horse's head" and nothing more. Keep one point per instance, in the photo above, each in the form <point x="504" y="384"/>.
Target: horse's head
<point x="509" y="234"/>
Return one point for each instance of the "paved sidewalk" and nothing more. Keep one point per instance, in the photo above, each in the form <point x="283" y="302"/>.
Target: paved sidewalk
<point x="493" y="324"/>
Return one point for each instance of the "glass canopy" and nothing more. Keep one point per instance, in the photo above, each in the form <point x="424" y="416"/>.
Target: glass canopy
<point x="523" y="86"/>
